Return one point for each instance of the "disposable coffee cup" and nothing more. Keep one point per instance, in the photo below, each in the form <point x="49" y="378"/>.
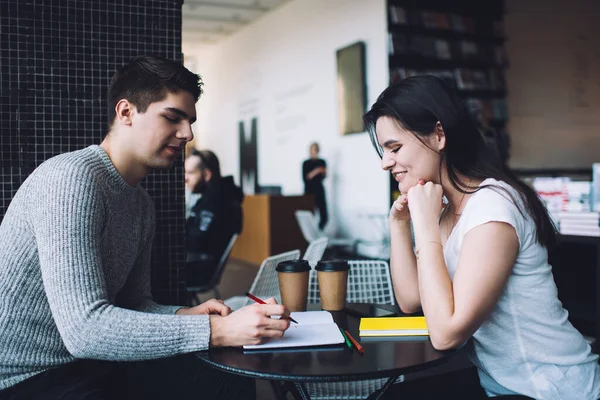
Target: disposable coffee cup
<point x="333" y="281"/>
<point x="293" y="283"/>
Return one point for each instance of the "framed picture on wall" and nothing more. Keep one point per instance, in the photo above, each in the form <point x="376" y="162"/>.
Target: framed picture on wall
<point x="351" y="88"/>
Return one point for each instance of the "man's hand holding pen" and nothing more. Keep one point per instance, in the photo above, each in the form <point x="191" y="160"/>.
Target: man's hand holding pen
<point x="249" y="325"/>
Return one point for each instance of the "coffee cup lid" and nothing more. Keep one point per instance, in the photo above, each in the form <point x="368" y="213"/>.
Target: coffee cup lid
<point x="293" y="266"/>
<point x="332" y="265"/>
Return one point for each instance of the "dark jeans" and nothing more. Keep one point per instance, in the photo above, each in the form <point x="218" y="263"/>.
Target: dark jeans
<point x="322" y="206"/>
<point x="181" y="377"/>
<point x="462" y="384"/>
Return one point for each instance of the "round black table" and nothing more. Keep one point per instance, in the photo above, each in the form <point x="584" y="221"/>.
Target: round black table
<point x="382" y="358"/>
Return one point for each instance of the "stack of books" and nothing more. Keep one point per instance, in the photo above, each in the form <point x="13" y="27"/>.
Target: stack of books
<point x="577" y="196"/>
<point x="579" y="223"/>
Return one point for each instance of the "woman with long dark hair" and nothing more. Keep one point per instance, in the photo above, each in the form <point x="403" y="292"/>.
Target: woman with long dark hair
<point x="479" y="266"/>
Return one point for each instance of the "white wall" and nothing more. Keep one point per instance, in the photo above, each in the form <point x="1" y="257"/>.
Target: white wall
<point x="282" y="69"/>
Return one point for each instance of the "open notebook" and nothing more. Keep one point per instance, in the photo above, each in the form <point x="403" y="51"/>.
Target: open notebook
<point x="314" y="328"/>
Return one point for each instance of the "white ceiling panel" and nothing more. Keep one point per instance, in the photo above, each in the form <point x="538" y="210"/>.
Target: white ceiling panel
<point x="212" y="20"/>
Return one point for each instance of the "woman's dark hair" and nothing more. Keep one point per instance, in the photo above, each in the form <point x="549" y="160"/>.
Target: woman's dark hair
<point x="146" y="80"/>
<point x="417" y="104"/>
<point x="208" y="160"/>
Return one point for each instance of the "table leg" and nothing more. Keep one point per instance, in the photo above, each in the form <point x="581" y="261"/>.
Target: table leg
<point x="278" y="389"/>
<point x="385" y="387"/>
<point x="299" y="391"/>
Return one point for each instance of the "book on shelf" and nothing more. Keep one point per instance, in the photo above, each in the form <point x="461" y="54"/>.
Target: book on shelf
<point x="393" y="326"/>
<point x="596" y="187"/>
<point x="428" y="19"/>
<point x="579" y="214"/>
<point x="444" y="74"/>
<point x="497" y="81"/>
<point x="442" y="49"/>
<point x="397" y="74"/>
<point x="550" y="190"/>
<point x="500" y="109"/>
<point x="398" y="43"/>
<point x="480" y="81"/>
<point x="577" y="196"/>
<point x="463" y="78"/>
<point x="443" y="21"/>
<point x="457" y="23"/>
<point x="314" y="328"/>
<point x="471" y="79"/>
<point x="461" y="23"/>
<point x="475" y="106"/>
<point x="469" y="24"/>
<point x="579" y="217"/>
<point x="580" y="231"/>
<point x="500" y="56"/>
<point x="469" y="50"/>
<point x="435" y="20"/>
<point x="398" y="15"/>
<point x="423" y="45"/>
<point x="581" y="224"/>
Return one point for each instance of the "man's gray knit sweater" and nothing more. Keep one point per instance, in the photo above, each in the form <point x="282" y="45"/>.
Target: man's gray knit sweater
<point x="75" y="272"/>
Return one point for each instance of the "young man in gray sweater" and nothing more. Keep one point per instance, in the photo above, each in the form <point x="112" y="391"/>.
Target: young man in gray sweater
<point x="75" y="254"/>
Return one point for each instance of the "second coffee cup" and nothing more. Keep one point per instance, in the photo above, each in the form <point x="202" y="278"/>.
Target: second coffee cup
<point x="333" y="280"/>
<point x="293" y="283"/>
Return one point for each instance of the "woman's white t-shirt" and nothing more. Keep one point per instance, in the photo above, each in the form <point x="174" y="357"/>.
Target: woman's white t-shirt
<point x="526" y="346"/>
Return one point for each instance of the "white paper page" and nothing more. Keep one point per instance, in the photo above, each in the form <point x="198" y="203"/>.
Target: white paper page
<point x="311" y="317"/>
<point x="299" y="335"/>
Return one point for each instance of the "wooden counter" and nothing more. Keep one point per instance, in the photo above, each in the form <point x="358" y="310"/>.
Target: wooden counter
<point x="270" y="226"/>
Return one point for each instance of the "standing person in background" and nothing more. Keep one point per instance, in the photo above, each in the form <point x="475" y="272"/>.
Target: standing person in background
<point x="213" y="219"/>
<point x="76" y="311"/>
<point x="314" y="170"/>
<point x="480" y="271"/>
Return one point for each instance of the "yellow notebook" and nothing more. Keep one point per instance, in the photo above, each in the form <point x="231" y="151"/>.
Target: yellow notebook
<point x="393" y="326"/>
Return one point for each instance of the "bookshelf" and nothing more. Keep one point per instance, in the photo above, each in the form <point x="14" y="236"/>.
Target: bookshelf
<point x="462" y="42"/>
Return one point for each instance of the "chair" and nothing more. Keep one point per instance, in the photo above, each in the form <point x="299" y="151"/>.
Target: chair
<point x="194" y="291"/>
<point x="266" y="282"/>
<point x="315" y="251"/>
<point x="311" y="232"/>
<point x="368" y="282"/>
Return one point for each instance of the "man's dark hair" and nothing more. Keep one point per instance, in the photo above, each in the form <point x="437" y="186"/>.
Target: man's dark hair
<point x="209" y="160"/>
<point x="147" y="79"/>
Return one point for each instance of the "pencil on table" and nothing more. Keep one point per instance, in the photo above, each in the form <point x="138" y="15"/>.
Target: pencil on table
<point x="354" y="342"/>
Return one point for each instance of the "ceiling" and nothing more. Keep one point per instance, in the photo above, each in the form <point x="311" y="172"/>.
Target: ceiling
<point x="212" y="20"/>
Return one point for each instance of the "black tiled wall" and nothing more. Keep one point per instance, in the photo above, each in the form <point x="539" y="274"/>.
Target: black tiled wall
<point x="56" y="61"/>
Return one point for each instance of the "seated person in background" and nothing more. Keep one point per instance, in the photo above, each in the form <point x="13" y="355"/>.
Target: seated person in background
<point x="480" y="271"/>
<point x="215" y="217"/>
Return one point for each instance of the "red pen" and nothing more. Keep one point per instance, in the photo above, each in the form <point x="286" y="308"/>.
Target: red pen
<point x="355" y="343"/>
<point x="259" y="301"/>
